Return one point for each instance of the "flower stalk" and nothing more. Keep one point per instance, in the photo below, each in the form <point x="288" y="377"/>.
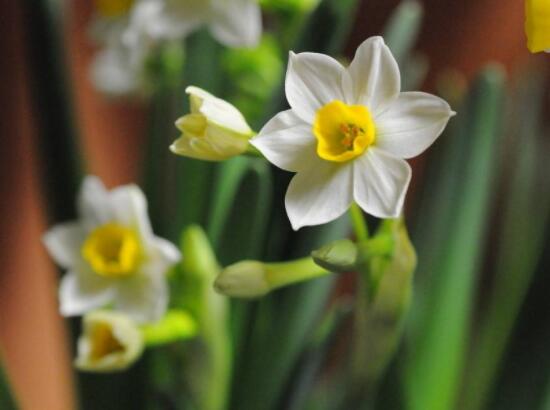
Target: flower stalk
<point x="359" y="223"/>
<point x="209" y="371"/>
<point x="250" y="279"/>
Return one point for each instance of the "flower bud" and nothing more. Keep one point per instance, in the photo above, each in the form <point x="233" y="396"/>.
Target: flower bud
<point x="252" y="279"/>
<point x="245" y="279"/>
<point x="110" y="342"/>
<point x="214" y="130"/>
<point x="339" y="256"/>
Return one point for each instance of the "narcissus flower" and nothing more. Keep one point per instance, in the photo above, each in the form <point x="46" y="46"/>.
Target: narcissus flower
<point x="347" y="134"/>
<point x="118" y="68"/>
<point x="537" y="25"/>
<point x="214" y="130"/>
<point x="234" y="23"/>
<point x="110" y="342"/>
<point x="112" y="255"/>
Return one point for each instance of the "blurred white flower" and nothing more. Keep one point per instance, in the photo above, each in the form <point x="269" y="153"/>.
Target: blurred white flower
<point x="118" y="68"/>
<point x="214" y="130"/>
<point x="234" y="23"/>
<point x="115" y="72"/>
<point x="112" y="255"/>
<point x="110" y="20"/>
<point x="347" y="134"/>
<point x="110" y="342"/>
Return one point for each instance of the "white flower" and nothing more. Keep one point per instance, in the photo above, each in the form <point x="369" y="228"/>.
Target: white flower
<point x="214" y="130"/>
<point x="110" y="342"/>
<point x="115" y="72"/>
<point x="347" y="134"/>
<point x="112" y="255"/>
<point x="118" y="68"/>
<point x="234" y="23"/>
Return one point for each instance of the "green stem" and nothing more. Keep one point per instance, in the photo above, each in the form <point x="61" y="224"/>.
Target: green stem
<point x="288" y="273"/>
<point x="359" y="223"/>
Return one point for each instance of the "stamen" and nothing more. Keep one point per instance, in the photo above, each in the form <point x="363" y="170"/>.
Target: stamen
<point x="350" y="132"/>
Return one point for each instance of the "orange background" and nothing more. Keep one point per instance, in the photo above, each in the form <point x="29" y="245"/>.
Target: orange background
<point x="461" y="34"/>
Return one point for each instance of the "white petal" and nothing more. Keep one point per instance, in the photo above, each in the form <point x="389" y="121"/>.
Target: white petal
<point x="209" y="149"/>
<point x="93" y="202"/>
<point x="312" y="80"/>
<point x="319" y="194"/>
<point x="373" y="77"/>
<point x="82" y="292"/>
<point x="237" y="23"/>
<point x="112" y="74"/>
<point x="63" y="242"/>
<point x="143" y="297"/>
<point x="166" y="251"/>
<point x="287" y="142"/>
<point x="411" y="124"/>
<point x="129" y="207"/>
<point x="218" y="111"/>
<point x="380" y="183"/>
<point x="167" y="20"/>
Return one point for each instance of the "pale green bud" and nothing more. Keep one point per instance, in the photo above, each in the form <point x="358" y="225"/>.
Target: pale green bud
<point x="245" y="279"/>
<point x="252" y="279"/>
<point x="339" y="256"/>
<point x="214" y="130"/>
<point x="110" y="342"/>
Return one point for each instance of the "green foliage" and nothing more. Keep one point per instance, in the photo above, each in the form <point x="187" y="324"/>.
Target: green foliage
<point x="255" y="74"/>
<point x="241" y="204"/>
<point x="441" y="323"/>
<point x="7" y="401"/>
<point x="520" y="241"/>
<point x="401" y="31"/>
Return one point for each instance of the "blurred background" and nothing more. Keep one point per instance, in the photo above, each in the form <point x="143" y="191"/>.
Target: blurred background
<point x="459" y="35"/>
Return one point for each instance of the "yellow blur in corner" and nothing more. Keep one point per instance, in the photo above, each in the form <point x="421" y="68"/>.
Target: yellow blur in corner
<point x="537" y="25"/>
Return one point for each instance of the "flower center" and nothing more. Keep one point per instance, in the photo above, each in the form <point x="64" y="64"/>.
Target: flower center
<point x="113" y="8"/>
<point x="343" y="131"/>
<point x="103" y="342"/>
<point x="112" y="250"/>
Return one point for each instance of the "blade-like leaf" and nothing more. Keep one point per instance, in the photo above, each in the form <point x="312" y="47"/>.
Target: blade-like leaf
<point x="520" y="245"/>
<point x="436" y="355"/>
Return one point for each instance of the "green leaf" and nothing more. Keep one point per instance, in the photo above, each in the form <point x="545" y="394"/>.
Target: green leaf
<point x="438" y="346"/>
<point x="520" y="242"/>
<point x="243" y="200"/>
<point x="401" y="31"/>
<point x="255" y="74"/>
<point x="176" y="325"/>
<point x="7" y="401"/>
